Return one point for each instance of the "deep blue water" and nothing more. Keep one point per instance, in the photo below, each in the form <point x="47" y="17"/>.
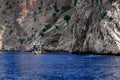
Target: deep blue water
<point x="61" y="66"/>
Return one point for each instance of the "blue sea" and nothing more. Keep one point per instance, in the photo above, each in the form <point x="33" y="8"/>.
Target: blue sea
<point x="58" y="66"/>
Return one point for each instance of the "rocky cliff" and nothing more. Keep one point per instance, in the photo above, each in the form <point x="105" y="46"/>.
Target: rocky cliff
<point x="62" y="25"/>
<point x="94" y="34"/>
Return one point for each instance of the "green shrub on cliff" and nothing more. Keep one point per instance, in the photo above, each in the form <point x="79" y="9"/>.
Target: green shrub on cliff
<point x="41" y="34"/>
<point x="10" y="32"/>
<point x="39" y="8"/>
<point x="35" y="19"/>
<point x="55" y="17"/>
<point x="48" y="26"/>
<point x="57" y="27"/>
<point x="55" y="8"/>
<point x="44" y="30"/>
<point x="65" y="8"/>
<point x="67" y="18"/>
<point x="102" y="14"/>
<point x="21" y="41"/>
<point x="75" y="2"/>
<point x="41" y="2"/>
<point x="29" y="38"/>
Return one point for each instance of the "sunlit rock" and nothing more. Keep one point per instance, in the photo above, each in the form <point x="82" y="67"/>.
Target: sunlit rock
<point x="45" y="21"/>
<point x="2" y="30"/>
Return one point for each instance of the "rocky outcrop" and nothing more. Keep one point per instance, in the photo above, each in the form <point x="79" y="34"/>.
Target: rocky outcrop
<point x="62" y="25"/>
<point x="98" y="36"/>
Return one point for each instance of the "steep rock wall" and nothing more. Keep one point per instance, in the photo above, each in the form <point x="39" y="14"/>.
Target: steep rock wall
<point x="92" y="35"/>
<point x="28" y="21"/>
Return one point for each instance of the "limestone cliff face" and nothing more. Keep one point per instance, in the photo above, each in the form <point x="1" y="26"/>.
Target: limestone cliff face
<point x="93" y="35"/>
<point x="62" y="25"/>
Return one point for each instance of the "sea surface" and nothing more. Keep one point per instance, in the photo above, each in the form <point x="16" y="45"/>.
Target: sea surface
<point x="58" y="66"/>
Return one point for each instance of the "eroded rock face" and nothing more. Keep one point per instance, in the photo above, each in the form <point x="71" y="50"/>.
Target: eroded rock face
<point x="112" y="24"/>
<point x="25" y="20"/>
<point x="43" y="21"/>
<point x="94" y="36"/>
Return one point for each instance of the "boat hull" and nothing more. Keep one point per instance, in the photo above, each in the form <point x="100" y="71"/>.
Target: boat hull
<point x="37" y="52"/>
